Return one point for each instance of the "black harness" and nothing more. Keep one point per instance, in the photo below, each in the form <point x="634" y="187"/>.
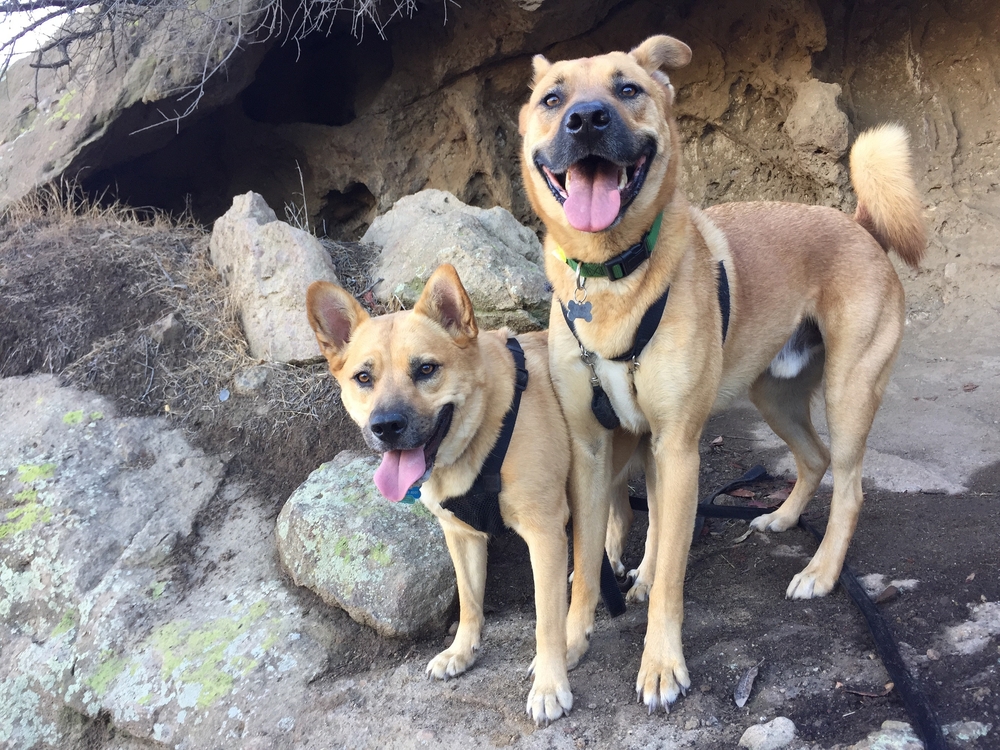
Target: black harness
<point x="480" y="506"/>
<point x="601" y="404"/>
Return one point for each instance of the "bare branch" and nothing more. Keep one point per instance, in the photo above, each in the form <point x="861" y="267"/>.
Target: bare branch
<point x="39" y="5"/>
<point x="107" y="28"/>
<point x="9" y="44"/>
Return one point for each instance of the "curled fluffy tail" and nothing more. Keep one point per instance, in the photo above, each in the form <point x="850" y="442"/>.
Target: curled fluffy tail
<point x="888" y="203"/>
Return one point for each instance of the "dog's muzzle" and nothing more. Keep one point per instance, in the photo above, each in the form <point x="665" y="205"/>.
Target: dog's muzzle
<point x="408" y="446"/>
<point x="400" y="428"/>
<point x="595" y="166"/>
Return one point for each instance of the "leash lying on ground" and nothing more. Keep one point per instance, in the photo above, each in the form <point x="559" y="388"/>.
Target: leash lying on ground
<point x="914" y="699"/>
<point x="916" y="703"/>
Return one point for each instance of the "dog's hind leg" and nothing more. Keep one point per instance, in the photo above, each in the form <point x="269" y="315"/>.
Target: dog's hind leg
<point x="468" y="553"/>
<point x="627" y="455"/>
<point x="642" y="576"/>
<point x="858" y="370"/>
<point x="619" y="523"/>
<point x="785" y="405"/>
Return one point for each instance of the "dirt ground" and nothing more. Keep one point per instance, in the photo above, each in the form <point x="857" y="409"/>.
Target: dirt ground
<point x="80" y="297"/>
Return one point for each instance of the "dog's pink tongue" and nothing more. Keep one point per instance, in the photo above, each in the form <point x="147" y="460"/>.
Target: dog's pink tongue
<point x="594" y="200"/>
<point x="398" y="471"/>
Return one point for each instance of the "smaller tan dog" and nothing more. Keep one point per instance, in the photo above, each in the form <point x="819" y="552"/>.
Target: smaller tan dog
<point x="430" y="392"/>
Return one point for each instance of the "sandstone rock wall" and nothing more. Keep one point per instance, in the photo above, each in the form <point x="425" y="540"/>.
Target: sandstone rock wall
<point x="346" y="129"/>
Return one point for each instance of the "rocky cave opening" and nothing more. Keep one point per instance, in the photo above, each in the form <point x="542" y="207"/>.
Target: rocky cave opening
<point x="322" y="80"/>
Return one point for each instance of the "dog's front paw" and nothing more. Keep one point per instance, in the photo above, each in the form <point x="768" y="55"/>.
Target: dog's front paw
<point x="811" y="583"/>
<point x="661" y="681"/>
<point x="549" y="699"/>
<point x="773" y="522"/>
<point x="641" y="585"/>
<point x="451" y="662"/>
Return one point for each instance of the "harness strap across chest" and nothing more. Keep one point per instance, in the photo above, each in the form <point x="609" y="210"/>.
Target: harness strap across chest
<point x="480" y="506"/>
<point x="654" y="313"/>
<point x="601" y="404"/>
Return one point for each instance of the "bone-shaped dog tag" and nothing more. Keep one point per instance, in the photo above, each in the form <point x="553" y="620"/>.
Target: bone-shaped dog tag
<point x="576" y="311"/>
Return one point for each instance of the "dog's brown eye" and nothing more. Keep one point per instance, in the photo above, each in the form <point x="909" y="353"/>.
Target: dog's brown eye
<point x="552" y="100"/>
<point x="628" y="91"/>
<point x="427" y="369"/>
<point x="363" y="378"/>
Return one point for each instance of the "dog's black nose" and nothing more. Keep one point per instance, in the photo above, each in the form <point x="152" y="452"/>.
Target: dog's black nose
<point x="586" y="118"/>
<point x="388" y="426"/>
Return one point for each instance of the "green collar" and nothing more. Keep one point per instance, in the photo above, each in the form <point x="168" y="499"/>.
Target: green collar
<point x="621" y="265"/>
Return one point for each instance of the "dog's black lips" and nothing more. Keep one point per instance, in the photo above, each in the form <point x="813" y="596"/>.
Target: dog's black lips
<point x="441" y="428"/>
<point x="635" y="174"/>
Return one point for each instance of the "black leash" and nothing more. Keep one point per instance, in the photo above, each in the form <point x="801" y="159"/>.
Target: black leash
<point x="610" y="593"/>
<point x="914" y="699"/>
<point x="706" y="509"/>
<point x="917" y="705"/>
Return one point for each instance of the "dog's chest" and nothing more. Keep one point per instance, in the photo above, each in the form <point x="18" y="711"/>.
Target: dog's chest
<point x="617" y="381"/>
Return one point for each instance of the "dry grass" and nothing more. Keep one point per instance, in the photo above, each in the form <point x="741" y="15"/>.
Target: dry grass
<point x="94" y="283"/>
<point x="169" y="260"/>
<point x="66" y="200"/>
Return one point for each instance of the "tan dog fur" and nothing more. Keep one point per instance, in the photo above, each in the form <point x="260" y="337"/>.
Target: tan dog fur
<point x="785" y="263"/>
<point x="474" y="373"/>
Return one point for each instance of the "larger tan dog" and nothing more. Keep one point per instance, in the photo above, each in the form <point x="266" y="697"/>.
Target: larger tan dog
<point x="813" y="299"/>
<point x="430" y="392"/>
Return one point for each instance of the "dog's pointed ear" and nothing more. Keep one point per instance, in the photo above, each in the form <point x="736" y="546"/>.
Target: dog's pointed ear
<point x="334" y="314"/>
<point x="661" y="52"/>
<point x="540" y="66"/>
<point x="445" y="301"/>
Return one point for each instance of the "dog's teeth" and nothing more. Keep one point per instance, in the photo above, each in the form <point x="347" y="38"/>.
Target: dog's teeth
<point x="622" y="179"/>
<point x="566" y="182"/>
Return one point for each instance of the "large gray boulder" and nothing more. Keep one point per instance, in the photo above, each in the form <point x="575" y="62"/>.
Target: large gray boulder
<point x="112" y="605"/>
<point x="385" y="564"/>
<point x="268" y="266"/>
<point x="498" y="259"/>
